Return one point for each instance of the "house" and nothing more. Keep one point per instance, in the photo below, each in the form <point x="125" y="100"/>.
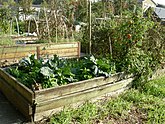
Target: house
<point x="160" y="13"/>
<point x="146" y="4"/>
<point x="158" y="7"/>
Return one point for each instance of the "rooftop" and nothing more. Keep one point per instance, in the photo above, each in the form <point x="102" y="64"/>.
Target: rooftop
<point x="160" y="12"/>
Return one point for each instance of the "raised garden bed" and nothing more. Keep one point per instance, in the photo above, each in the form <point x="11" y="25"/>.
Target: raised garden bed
<point x="51" y="84"/>
<point x="12" y="54"/>
<point x="35" y="105"/>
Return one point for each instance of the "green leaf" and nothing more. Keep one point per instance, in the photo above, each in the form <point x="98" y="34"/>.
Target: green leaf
<point x="46" y="71"/>
<point x="25" y="61"/>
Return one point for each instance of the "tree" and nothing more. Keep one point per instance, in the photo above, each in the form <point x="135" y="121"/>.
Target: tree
<point x="124" y="6"/>
<point x="6" y="14"/>
<point x="25" y="7"/>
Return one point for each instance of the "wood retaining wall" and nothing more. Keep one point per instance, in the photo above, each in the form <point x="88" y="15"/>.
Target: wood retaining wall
<point x="12" y="54"/>
<point x="35" y="105"/>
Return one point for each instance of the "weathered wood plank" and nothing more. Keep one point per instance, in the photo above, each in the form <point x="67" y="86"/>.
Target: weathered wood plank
<point x="4" y="61"/>
<point x="28" y="47"/>
<point x="67" y="55"/>
<point x="50" y="93"/>
<point x="7" y="62"/>
<point x="29" y="38"/>
<point x="17" y="49"/>
<point x="23" y="90"/>
<point x="58" y="51"/>
<point x="60" y="43"/>
<point x="20" y="51"/>
<point x="72" y="54"/>
<point x="16" y="55"/>
<point x="16" y="99"/>
<point x="81" y="96"/>
<point x="46" y="114"/>
<point x="59" y="46"/>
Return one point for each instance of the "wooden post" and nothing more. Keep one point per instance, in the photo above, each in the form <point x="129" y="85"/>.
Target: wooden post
<point x="79" y="50"/>
<point x="90" y="31"/>
<point x="110" y="46"/>
<point x="38" y="52"/>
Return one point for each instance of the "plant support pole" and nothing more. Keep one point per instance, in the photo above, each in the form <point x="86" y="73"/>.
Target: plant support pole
<point x="90" y="31"/>
<point x="110" y="46"/>
<point x="47" y="24"/>
<point x="17" y="25"/>
<point x="37" y="29"/>
<point x="55" y="16"/>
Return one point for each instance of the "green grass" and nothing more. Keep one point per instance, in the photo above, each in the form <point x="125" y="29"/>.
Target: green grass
<point x="146" y="106"/>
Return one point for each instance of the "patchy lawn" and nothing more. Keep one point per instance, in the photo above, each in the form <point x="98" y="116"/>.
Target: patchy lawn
<point x="146" y="105"/>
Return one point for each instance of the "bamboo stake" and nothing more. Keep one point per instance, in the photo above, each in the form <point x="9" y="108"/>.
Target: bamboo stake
<point x="47" y="24"/>
<point x="56" y="23"/>
<point x="37" y="29"/>
<point x="11" y="27"/>
<point x="29" y="27"/>
<point x="90" y="30"/>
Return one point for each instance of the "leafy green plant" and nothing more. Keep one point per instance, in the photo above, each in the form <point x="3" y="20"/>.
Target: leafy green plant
<point x="40" y="73"/>
<point x="134" y="43"/>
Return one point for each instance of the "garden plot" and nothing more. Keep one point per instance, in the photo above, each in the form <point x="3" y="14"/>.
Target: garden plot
<point x="36" y="103"/>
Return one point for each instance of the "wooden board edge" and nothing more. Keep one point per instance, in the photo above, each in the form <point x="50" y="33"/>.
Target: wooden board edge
<point x="55" y="92"/>
<point x="82" y="95"/>
<point x="48" y="113"/>
<point x="23" y="90"/>
<point x="17" y="99"/>
<point x="18" y="49"/>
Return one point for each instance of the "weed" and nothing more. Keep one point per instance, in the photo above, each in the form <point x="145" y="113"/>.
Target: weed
<point x="134" y="106"/>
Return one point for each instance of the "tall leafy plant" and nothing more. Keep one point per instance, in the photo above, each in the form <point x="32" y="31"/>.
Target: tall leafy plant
<point x="6" y="14"/>
<point x="137" y="43"/>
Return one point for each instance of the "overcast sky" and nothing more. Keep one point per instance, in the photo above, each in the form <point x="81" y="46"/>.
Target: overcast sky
<point x="157" y="1"/>
<point x="160" y="1"/>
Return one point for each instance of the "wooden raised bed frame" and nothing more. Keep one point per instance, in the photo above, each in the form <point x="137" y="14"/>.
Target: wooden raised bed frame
<point x="15" y="53"/>
<point x="38" y="104"/>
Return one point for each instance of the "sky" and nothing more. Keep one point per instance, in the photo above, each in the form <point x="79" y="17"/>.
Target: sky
<point x="160" y="1"/>
<point x="157" y="1"/>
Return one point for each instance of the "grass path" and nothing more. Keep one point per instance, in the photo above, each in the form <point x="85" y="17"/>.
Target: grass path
<point x="142" y="106"/>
